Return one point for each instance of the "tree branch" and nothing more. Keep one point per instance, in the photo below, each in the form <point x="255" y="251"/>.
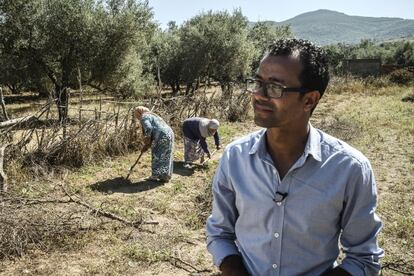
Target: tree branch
<point x="106" y="214"/>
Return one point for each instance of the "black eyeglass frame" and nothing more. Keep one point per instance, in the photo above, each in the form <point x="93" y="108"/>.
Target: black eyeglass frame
<point x="283" y="88"/>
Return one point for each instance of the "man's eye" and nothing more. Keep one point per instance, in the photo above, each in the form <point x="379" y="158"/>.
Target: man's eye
<point x="274" y="86"/>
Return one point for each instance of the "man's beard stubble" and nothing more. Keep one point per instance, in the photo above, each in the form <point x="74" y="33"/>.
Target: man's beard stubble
<point x="267" y="121"/>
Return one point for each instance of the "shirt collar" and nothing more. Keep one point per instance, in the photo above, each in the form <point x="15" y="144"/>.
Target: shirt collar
<point x="260" y="143"/>
<point x="313" y="144"/>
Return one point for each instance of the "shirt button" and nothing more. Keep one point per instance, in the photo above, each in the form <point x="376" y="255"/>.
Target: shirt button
<point x="276" y="235"/>
<point x="274" y="266"/>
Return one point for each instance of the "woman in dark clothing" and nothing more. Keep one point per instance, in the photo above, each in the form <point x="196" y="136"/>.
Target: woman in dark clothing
<point x="195" y="131"/>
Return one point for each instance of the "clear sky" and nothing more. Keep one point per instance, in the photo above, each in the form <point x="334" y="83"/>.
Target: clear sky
<point x="277" y="10"/>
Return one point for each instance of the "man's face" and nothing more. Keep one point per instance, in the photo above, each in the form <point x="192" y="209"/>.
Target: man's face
<point x="286" y="110"/>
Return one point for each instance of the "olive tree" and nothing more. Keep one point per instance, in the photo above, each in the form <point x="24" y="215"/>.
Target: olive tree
<point x="262" y="34"/>
<point x="215" y="45"/>
<point x="55" y="40"/>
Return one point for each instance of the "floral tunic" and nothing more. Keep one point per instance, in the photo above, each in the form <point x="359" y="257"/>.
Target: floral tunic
<point x="162" y="146"/>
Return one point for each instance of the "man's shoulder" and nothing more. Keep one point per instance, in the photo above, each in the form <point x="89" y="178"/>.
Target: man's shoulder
<point x="331" y="145"/>
<point x="245" y="143"/>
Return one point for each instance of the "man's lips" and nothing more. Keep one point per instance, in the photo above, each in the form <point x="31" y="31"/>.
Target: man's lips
<point x="262" y="108"/>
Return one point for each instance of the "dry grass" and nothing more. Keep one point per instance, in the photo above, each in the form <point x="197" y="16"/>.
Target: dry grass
<point x="377" y="122"/>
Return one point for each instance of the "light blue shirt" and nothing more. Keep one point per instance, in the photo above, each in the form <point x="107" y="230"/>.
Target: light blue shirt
<point x="331" y="198"/>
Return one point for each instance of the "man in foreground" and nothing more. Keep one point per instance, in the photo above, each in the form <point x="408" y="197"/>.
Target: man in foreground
<point x="285" y="195"/>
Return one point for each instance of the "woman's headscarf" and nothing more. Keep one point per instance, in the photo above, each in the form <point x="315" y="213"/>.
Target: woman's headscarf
<point x="205" y="124"/>
<point x="141" y="109"/>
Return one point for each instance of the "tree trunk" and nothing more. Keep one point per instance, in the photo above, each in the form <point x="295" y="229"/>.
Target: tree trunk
<point x="62" y="98"/>
<point x="175" y="88"/>
<point x="188" y="88"/>
<point x="3" y="115"/>
<point x="14" y="88"/>
<point x="227" y="90"/>
<point x="178" y="87"/>
<point x="174" y="92"/>
<point x="159" y="80"/>
<point x="197" y="84"/>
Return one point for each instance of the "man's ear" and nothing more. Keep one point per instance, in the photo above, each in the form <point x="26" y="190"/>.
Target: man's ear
<point x="311" y="99"/>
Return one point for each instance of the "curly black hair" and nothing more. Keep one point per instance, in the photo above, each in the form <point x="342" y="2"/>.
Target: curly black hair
<point x="315" y="73"/>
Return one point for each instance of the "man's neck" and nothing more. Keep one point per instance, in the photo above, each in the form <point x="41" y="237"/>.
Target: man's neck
<point x="285" y="145"/>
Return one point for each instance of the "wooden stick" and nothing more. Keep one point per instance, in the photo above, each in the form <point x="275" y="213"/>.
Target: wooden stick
<point x="18" y="121"/>
<point x="117" y="118"/>
<point x="107" y="214"/>
<point x="211" y="155"/>
<point x="81" y="94"/>
<point x="3" y="176"/>
<point x="100" y="107"/>
<point x="44" y="127"/>
<point x="133" y="166"/>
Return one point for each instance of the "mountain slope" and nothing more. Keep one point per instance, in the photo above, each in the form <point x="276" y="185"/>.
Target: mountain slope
<point x="327" y="27"/>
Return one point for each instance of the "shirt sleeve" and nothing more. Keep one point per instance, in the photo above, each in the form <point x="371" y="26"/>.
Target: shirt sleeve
<point x="146" y="126"/>
<point x="360" y="225"/>
<point x="220" y="225"/>
<point x="216" y="139"/>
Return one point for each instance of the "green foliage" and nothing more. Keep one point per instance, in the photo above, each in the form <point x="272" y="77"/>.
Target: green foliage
<point x="404" y="53"/>
<point x="113" y="45"/>
<point x="14" y="35"/>
<point x="337" y="55"/>
<point x="167" y="56"/>
<point x="398" y="53"/>
<point x="123" y="33"/>
<point x="55" y="40"/>
<point x="216" y="47"/>
<point x="262" y="34"/>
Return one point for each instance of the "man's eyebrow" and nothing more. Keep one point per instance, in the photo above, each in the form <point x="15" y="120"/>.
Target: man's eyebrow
<point x="273" y="79"/>
<point x="277" y="80"/>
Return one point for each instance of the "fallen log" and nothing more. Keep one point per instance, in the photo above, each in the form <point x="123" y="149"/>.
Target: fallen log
<point x="19" y="121"/>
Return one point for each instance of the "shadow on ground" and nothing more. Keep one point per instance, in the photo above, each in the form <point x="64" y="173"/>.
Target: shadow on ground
<point x="181" y="170"/>
<point x="122" y="185"/>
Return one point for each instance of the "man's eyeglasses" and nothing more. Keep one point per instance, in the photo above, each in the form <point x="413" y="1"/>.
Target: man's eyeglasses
<point x="271" y="89"/>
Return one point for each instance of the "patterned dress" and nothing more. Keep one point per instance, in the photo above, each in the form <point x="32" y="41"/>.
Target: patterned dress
<point x="192" y="150"/>
<point x="162" y="146"/>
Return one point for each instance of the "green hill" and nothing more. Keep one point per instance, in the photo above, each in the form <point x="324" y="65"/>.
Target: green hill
<point x="328" y="27"/>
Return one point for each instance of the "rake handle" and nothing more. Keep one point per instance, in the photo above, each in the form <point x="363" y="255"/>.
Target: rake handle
<point x="133" y="166"/>
<point x="211" y="155"/>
